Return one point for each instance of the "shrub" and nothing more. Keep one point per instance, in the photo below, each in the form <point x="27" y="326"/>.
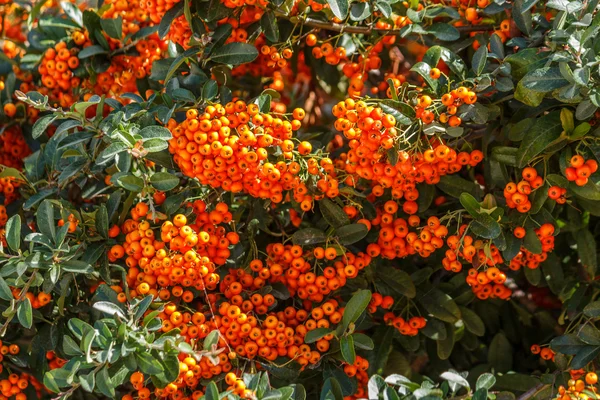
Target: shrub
<point x="299" y="199"/>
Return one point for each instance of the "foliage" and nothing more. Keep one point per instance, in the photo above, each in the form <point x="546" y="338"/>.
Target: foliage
<point x="299" y="199"/>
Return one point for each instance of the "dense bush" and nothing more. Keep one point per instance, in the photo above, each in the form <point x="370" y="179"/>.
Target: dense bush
<point x="302" y="199"/>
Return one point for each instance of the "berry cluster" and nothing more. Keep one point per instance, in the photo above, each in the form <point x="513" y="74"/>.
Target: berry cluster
<point x="377" y="300"/>
<point x="487" y="283"/>
<point x="579" y="389"/>
<point x="405" y="327"/>
<point x="184" y="257"/>
<point x="296" y="269"/>
<point x="396" y="241"/>
<point x="57" y="68"/>
<point x="371" y="132"/>
<point x="427" y="108"/>
<point x="580" y="170"/>
<point x="525" y="258"/>
<point x="545" y="353"/>
<point x="558" y="194"/>
<point x="227" y="147"/>
<point x="517" y="194"/>
<point x="14" y="386"/>
<point x="358" y="370"/>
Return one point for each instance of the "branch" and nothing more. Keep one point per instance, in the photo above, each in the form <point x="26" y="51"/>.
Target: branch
<point x="367" y="30"/>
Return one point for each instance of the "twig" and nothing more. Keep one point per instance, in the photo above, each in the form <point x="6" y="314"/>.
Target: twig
<point x="332" y="26"/>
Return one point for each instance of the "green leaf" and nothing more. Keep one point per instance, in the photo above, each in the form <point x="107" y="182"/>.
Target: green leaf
<point x="397" y="110"/>
<point x="505" y="155"/>
<point x="440" y="305"/>
<point x="355" y="307"/>
<point x="567" y="344"/>
<point x="148" y="364"/>
<point x="500" y="353"/>
<point x="360" y="11"/>
<point x="454" y="185"/>
<point x="50" y="380"/>
<point x="155" y="132"/>
<point x="378" y="358"/>
<point x="588" y="191"/>
<point x="339" y="8"/>
<point x="131" y="183"/>
<point x="113" y="27"/>
<point x="586" y="248"/>
<point x="269" y="25"/>
<point x="13" y="232"/>
<point x="164" y="181"/>
<point x="45" y="219"/>
<point x="533" y="276"/>
<point x="42" y="124"/>
<point x="234" y="54"/>
<point x="91" y="51"/>
<point x="470" y="203"/>
<point x="70" y="347"/>
<point x="444" y="31"/>
<point x="309" y="236"/>
<point x="25" y="313"/>
<point x="347" y="348"/>
<point x="212" y="392"/>
<point x="484" y="225"/>
<point x="104" y="383"/>
<point x="522" y="18"/>
<point x="331" y="390"/>
<point x="455" y="378"/>
<point x="472" y="321"/>
<point x="88" y="381"/>
<point x="72" y="12"/>
<point x="479" y="60"/>
<point x="363" y="341"/>
<point x="545" y="131"/>
<point x="589" y="334"/>
<point x="585" y="110"/>
<point x="397" y="280"/>
<point x="76" y="266"/>
<point x="592" y="310"/>
<point x="333" y="214"/>
<point x="102" y="221"/>
<point x="211" y="339"/>
<point x="155" y="145"/>
<point x="352" y="233"/>
<point x="109" y="308"/>
<point x="446" y="345"/>
<point x="567" y="120"/>
<point x="532" y="243"/>
<point x="5" y="292"/>
<point x="424" y="69"/>
<point x="544" y="80"/>
<point x="215" y="10"/>
<point x="210" y="89"/>
<point x="485" y="381"/>
<point x="557" y="180"/>
<point x="516" y="382"/>
<point x="316" y="334"/>
<point x="435" y="330"/>
<point x="167" y="19"/>
<point x="586" y="355"/>
<point x="580" y="130"/>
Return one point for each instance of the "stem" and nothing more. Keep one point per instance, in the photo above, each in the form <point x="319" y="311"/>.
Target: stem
<point x="332" y="26"/>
